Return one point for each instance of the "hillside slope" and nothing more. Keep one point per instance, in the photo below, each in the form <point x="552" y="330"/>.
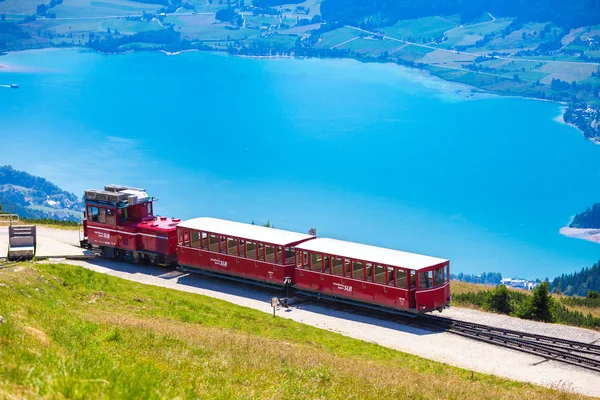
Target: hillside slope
<point x="31" y="196"/>
<point x="86" y="335"/>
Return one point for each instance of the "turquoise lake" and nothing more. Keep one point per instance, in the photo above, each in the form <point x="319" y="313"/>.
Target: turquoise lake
<point x="374" y="153"/>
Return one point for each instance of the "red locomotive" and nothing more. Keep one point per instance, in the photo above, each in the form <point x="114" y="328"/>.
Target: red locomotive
<point x="120" y="223"/>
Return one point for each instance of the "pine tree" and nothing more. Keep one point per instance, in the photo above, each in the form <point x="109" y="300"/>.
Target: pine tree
<point x="542" y="303"/>
<point x="498" y="300"/>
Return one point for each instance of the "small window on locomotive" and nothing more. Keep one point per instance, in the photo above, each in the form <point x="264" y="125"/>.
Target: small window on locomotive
<point x="204" y="243"/>
<point x="261" y="251"/>
<point x="93" y="214"/>
<point x="213" y="241"/>
<point x="438" y="276"/>
<point x="299" y="259"/>
<point x="149" y="208"/>
<point x="110" y="216"/>
<point x="347" y="269"/>
<point x="327" y="264"/>
<point x="400" y="278"/>
<point x="336" y="266"/>
<point x="316" y="262"/>
<point x="358" y="270"/>
<point x="251" y="250"/>
<point x="369" y="272"/>
<point x="380" y="274"/>
<point x="232" y="247"/>
<point x="270" y="250"/>
<point x="195" y="239"/>
<point x="102" y="215"/>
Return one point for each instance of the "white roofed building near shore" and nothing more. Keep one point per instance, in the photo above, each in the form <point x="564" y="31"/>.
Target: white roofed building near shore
<point x="378" y="255"/>
<point x="242" y="230"/>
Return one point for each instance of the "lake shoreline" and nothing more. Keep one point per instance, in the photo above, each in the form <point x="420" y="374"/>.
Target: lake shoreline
<point x="589" y="234"/>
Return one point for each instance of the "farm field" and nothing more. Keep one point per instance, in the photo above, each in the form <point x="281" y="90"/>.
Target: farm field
<point x="75" y="327"/>
<point x="419" y="29"/>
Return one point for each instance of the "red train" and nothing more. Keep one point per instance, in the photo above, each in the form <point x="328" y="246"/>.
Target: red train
<point x="119" y="221"/>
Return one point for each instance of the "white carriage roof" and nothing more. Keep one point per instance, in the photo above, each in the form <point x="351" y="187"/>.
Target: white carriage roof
<point x="376" y="255"/>
<point x="245" y="231"/>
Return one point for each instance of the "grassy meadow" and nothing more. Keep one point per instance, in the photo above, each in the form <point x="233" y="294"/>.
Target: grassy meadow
<point x="70" y="332"/>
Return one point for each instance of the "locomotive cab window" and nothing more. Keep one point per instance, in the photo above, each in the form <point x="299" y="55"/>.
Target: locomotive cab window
<point x="102" y="215"/>
<point x="110" y="216"/>
<point x="93" y="214"/>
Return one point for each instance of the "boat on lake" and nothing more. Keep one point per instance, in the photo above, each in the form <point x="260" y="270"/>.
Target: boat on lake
<point x="14" y="86"/>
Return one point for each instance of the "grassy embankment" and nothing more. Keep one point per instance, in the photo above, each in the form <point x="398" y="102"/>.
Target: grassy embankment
<point x="70" y="332"/>
<point x="463" y="288"/>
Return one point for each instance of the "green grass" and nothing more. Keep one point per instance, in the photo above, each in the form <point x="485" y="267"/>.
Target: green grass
<point x="426" y="28"/>
<point x="337" y="36"/>
<point x="70" y="332"/>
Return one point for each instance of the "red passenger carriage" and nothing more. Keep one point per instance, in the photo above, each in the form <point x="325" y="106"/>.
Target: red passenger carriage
<point x="120" y="223"/>
<point x="383" y="277"/>
<point x="244" y="251"/>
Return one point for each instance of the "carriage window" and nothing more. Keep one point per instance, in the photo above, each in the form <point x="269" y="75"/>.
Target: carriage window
<point x="222" y="244"/>
<point x="413" y="279"/>
<point x="305" y="259"/>
<point x="347" y="267"/>
<point x="327" y="264"/>
<point x="280" y="255"/>
<point x="110" y="216"/>
<point x="242" y="248"/>
<point x="369" y="272"/>
<point x="400" y="278"/>
<point x="261" y="251"/>
<point x="213" y="243"/>
<point x="299" y="259"/>
<point x="336" y="266"/>
<point x="380" y="274"/>
<point x="390" y="276"/>
<point x="425" y="280"/>
<point x="232" y="246"/>
<point x="316" y="262"/>
<point x="358" y="271"/>
<point x="102" y="215"/>
<point x="251" y="250"/>
<point x="447" y="273"/>
<point x="180" y="236"/>
<point x="195" y="239"/>
<point x="186" y="237"/>
<point x="270" y="253"/>
<point x="438" y="277"/>
<point x="289" y="255"/>
<point x="204" y="242"/>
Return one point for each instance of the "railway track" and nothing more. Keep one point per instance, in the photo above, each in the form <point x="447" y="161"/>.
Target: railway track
<point x="585" y="355"/>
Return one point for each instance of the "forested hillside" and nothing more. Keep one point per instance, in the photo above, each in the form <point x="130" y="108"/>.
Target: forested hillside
<point x="31" y="196"/>
<point x="568" y="14"/>
<point x="590" y="218"/>
<point x="578" y="283"/>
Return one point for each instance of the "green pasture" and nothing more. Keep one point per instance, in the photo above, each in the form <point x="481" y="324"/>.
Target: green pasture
<point x="333" y="38"/>
<point x="416" y="29"/>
